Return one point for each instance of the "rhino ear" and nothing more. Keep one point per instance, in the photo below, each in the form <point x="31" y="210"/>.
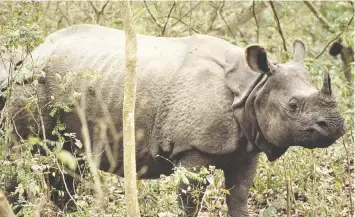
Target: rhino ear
<point x="256" y="59"/>
<point x="299" y="51"/>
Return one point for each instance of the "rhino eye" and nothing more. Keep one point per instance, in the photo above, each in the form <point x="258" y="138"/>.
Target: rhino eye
<point x="293" y="104"/>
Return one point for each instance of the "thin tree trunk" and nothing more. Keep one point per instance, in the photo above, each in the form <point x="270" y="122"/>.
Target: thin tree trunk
<point x="129" y="148"/>
<point x="5" y="208"/>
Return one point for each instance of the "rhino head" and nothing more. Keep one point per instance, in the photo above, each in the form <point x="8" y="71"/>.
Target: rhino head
<point x="284" y="109"/>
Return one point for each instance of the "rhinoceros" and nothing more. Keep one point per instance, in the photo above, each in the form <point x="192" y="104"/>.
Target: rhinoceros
<point x="200" y="101"/>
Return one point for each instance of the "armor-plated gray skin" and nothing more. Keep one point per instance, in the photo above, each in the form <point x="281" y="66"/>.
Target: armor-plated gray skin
<point x="200" y="101"/>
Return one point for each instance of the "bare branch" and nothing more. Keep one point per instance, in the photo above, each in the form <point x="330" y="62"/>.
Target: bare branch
<point x="65" y="183"/>
<point x="212" y="19"/>
<point x="65" y="16"/>
<point x="256" y="23"/>
<point x="225" y="22"/>
<point x="151" y="15"/>
<point x="98" y="12"/>
<point x="187" y="25"/>
<point x="184" y="15"/>
<point x="167" y="19"/>
<point x="220" y="13"/>
<point x="246" y="15"/>
<point x="278" y="25"/>
<point x="103" y="8"/>
<point x="320" y="17"/>
<point x="93" y="7"/>
<point x="190" y="18"/>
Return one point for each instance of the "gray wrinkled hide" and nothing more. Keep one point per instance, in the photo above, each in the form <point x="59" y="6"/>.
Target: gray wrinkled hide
<point x="182" y="101"/>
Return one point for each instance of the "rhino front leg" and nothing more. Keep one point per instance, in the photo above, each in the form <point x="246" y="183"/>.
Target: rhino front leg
<point x="239" y="178"/>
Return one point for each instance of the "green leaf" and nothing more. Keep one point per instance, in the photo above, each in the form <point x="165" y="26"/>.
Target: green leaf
<point x="67" y="158"/>
<point x="78" y="143"/>
<point x="269" y="212"/>
<point x="184" y="179"/>
<point x="33" y="140"/>
<point x="76" y="95"/>
<point x="210" y="179"/>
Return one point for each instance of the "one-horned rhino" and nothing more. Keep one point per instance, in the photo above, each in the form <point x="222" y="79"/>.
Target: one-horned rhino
<point x="200" y="101"/>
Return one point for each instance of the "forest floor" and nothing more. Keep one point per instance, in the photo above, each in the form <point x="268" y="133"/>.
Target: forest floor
<point x="324" y="190"/>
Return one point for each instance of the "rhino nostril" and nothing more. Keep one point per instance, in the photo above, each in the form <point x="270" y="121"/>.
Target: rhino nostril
<point x="310" y="129"/>
<point x="322" y="123"/>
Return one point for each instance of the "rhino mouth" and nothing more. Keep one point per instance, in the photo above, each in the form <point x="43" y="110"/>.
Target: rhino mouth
<point x="317" y="140"/>
<point x="317" y="145"/>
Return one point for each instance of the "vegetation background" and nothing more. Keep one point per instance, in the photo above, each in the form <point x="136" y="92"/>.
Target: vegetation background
<point x="303" y="182"/>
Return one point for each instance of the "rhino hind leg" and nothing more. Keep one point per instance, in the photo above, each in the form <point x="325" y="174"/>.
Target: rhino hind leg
<point x="61" y="190"/>
<point x="59" y="193"/>
<point x="188" y="202"/>
<point x="64" y="185"/>
<point x="193" y="159"/>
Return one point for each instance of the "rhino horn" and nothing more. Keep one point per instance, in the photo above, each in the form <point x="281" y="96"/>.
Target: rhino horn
<point x="326" y="89"/>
